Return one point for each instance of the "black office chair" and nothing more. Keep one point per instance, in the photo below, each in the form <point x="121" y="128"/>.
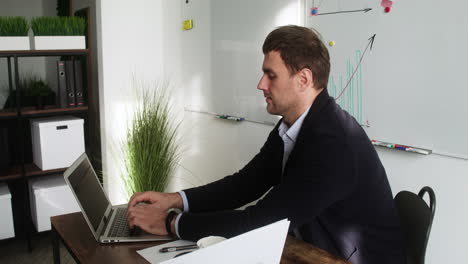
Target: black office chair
<point x="416" y="221"/>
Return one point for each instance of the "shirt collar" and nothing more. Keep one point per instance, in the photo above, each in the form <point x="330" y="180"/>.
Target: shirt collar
<point x="293" y="131"/>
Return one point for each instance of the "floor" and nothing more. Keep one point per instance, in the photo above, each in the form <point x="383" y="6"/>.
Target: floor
<point x="16" y="251"/>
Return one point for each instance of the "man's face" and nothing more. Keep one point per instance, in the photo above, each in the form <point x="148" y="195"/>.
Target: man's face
<point x="278" y="86"/>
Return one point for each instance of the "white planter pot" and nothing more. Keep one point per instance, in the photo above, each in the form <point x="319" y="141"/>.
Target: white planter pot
<point x="14" y="43"/>
<point x="58" y="42"/>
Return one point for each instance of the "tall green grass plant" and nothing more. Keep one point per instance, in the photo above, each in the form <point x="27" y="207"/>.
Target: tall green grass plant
<point x="13" y="26"/>
<point x="150" y="149"/>
<point x="58" y="26"/>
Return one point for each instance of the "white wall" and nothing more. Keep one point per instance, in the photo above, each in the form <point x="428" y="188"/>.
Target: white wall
<point x="210" y="147"/>
<point x="143" y="48"/>
<point x="448" y="178"/>
<point x="127" y="49"/>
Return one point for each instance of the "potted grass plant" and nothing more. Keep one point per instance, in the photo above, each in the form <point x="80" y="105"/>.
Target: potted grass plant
<point x="38" y="91"/>
<point x="150" y="148"/>
<point x="14" y="33"/>
<point x="58" y="33"/>
<point x="35" y="92"/>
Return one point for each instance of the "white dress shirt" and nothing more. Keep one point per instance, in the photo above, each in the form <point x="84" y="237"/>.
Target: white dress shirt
<point x="289" y="135"/>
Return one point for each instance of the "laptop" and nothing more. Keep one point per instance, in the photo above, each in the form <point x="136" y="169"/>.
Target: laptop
<point x="107" y="223"/>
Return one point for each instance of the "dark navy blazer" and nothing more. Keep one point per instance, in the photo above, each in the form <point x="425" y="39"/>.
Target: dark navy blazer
<point x="334" y="190"/>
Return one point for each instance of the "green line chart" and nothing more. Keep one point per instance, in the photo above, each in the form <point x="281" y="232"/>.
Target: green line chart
<point x="351" y="99"/>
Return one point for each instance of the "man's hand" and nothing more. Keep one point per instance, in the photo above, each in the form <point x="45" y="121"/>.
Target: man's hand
<point x="148" y="210"/>
<point x="163" y="200"/>
<point x="149" y="217"/>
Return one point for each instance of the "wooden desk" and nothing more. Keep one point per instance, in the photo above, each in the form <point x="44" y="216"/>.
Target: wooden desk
<point x="74" y="233"/>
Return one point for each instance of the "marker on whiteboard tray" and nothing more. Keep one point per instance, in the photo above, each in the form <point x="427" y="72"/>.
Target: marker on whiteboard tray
<point x="401" y="147"/>
<point x="382" y="144"/>
<point x="228" y="117"/>
<point x="420" y="151"/>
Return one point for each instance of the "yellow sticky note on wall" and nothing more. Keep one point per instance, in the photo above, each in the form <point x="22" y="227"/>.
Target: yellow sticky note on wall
<point x="187" y="24"/>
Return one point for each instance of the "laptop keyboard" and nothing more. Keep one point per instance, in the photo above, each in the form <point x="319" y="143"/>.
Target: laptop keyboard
<point x="119" y="227"/>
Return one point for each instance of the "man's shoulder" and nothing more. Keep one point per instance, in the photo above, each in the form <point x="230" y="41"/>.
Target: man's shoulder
<point x="329" y="115"/>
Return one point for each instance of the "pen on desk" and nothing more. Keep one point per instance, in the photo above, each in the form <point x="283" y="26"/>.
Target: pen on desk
<point x="172" y="249"/>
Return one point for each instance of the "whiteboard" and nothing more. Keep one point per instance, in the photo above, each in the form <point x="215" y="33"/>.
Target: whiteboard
<point x="238" y="29"/>
<point x="413" y="82"/>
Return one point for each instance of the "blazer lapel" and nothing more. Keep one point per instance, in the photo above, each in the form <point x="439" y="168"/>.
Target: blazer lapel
<point x="319" y="103"/>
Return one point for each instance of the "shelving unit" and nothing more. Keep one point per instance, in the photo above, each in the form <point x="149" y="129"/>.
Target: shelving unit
<point x="30" y="170"/>
<point x="49" y="110"/>
<point x="22" y="168"/>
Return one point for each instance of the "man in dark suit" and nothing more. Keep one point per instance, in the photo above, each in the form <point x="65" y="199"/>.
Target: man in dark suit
<point x="318" y="164"/>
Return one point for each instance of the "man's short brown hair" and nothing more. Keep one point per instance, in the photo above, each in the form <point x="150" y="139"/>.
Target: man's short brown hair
<point x="300" y="48"/>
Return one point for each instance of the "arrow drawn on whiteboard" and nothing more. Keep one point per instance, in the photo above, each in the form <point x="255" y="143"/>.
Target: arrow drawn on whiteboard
<point x="371" y="43"/>
<point x="365" y="10"/>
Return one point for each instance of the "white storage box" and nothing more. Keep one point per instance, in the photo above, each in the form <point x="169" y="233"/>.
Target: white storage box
<point x="7" y="229"/>
<point x="57" y="141"/>
<point x="50" y="196"/>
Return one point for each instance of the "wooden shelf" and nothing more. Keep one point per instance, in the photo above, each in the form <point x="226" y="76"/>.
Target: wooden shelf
<point x="11" y="173"/>
<point x="31" y="111"/>
<point x="30" y="170"/>
<point x="34" y="112"/>
<point x="41" y="53"/>
<point x="7" y="114"/>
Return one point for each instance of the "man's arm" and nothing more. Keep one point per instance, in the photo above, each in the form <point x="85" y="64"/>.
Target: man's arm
<point x="312" y="184"/>
<point x="247" y="185"/>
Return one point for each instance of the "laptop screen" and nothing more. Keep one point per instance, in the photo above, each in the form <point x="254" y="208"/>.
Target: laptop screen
<point x="89" y="192"/>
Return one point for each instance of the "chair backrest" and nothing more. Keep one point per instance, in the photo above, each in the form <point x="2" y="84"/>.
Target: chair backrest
<point x="416" y="221"/>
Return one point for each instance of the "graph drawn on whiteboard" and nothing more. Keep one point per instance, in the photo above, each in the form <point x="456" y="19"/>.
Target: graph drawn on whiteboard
<point x="351" y="99"/>
<point x="347" y="83"/>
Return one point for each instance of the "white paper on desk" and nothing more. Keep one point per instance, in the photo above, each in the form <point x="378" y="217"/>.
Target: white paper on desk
<point x="263" y="245"/>
<point x="152" y="254"/>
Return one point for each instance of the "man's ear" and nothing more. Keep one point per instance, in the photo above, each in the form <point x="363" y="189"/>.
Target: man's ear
<point x="305" y="78"/>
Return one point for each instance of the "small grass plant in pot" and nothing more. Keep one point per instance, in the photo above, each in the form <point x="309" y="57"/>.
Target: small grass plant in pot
<point x="39" y="92"/>
<point x="14" y="33"/>
<point x="35" y="92"/>
<point x="58" y="33"/>
<point x="150" y="148"/>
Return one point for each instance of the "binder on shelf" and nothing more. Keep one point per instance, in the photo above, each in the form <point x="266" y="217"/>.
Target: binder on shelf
<point x="62" y="85"/>
<point x="70" y="83"/>
<point x="78" y="84"/>
<point x="70" y="77"/>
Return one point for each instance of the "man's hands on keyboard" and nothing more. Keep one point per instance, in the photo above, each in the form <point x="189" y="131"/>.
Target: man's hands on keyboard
<point x="148" y="211"/>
